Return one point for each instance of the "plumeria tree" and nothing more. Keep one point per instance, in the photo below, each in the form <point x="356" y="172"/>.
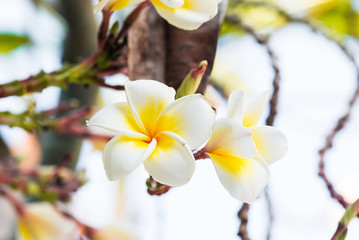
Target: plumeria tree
<point x="170" y="116"/>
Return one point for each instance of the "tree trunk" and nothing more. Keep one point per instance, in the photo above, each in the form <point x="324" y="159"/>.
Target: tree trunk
<point x="164" y="53"/>
<point x="81" y="43"/>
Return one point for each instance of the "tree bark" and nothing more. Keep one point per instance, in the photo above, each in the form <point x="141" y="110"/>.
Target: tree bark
<point x="185" y="49"/>
<point x="4" y="151"/>
<point x="80" y="43"/>
<point x="165" y="53"/>
<point x="147" y="44"/>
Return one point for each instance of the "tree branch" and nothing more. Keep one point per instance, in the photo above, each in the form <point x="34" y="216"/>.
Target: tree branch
<point x="67" y="125"/>
<point x="243" y="216"/>
<point x="351" y="212"/>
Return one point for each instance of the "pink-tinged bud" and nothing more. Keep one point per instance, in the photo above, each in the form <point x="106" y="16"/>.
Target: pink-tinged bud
<point x="192" y="80"/>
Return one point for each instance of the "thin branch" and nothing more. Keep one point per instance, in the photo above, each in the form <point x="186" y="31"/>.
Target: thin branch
<point x="45" y="186"/>
<point x="85" y="230"/>
<point x="351" y="212"/>
<point x="131" y="18"/>
<point x="67" y="125"/>
<point x="104" y="26"/>
<point x="243" y="216"/>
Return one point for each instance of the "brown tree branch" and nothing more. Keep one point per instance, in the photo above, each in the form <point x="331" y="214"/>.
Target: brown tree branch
<point x="39" y="183"/>
<point x="243" y="216"/>
<point x="68" y="125"/>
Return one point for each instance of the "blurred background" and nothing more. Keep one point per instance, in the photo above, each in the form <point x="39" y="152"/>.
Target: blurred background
<point x="317" y="82"/>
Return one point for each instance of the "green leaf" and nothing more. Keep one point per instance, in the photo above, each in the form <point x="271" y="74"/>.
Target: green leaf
<point x="9" y="42"/>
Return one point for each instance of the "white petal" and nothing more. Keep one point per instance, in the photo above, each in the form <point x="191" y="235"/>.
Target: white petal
<point x="123" y="154"/>
<point x="117" y="118"/>
<point x="191" y="15"/>
<point x="147" y="98"/>
<point x="235" y="107"/>
<point x="101" y="5"/>
<point x="244" y="179"/>
<point x="173" y="3"/>
<point x="172" y="162"/>
<point x="254" y="111"/>
<point x="271" y="143"/>
<point x="191" y="117"/>
<point x="231" y="139"/>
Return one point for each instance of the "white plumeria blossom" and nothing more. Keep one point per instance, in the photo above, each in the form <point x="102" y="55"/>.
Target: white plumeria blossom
<point x="241" y="151"/>
<point x="184" y="14"/>
<point x="41" y="221"/>
<point x="154" y="129"/>
<point x="270" y="142"/>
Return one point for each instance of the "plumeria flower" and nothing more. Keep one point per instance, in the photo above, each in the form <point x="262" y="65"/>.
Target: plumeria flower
<point x="184" y="14"/>
<point x="270" y="142"/>
<point x="40" y="221"/>
<point x="155" y="129"/>
<point x="241" y="151"/>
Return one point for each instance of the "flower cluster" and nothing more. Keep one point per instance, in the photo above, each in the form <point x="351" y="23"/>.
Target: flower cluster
<point x="184" y="14"/>
<point x="155" y="129"/>
<point x="241" y="151"/>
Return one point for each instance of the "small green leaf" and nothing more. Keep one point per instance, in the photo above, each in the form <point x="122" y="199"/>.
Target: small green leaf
<point x="9" y="42"/>
<point x="192" y="80"/>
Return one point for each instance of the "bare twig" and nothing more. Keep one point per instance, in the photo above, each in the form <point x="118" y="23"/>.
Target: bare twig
<point x="67" y="125"/>
<point x="243" y="216"/>
<point x="86" y="230"/>
<point x="38" y="183"/>
<point x="131" y="18"/>
<point x="102" y="33"/>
